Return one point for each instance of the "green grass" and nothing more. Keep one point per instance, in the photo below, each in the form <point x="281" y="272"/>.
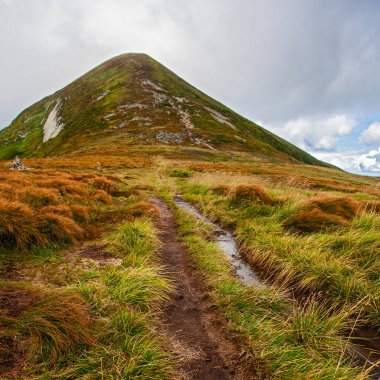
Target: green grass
<point x="343" y="263"/>
<point x="99" y="322"/>
<point x="283" y="340"/>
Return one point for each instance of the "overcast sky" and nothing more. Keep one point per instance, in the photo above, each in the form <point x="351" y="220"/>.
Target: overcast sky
<point x="309" y="70"/>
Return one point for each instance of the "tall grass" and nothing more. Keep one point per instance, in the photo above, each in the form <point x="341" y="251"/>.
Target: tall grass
<point x="44" y="207"/>
<point x="87" y="320"/>
<point x="337" y="254"/>
<point x="284" y="341"/>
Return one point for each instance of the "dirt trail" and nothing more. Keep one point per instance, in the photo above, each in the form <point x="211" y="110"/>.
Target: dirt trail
<point x="192" y="325"/>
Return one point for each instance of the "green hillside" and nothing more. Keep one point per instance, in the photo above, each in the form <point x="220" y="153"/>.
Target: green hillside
<point x="134" y="100"/>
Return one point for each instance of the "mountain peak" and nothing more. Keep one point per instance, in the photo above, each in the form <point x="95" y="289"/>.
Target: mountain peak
<point x="132" y="99"/>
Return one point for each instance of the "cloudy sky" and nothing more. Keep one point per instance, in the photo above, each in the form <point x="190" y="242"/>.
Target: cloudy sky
<point x="307" y="70"/>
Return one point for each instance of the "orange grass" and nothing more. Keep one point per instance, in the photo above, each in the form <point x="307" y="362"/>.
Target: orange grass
<point x="324" y="212"/>
<point x="252" y="193"/>
<point x="143" y="208"/>
<point x="342" y="206"/>
<point x="314" y="220"/>
<point x="43" y="206"/>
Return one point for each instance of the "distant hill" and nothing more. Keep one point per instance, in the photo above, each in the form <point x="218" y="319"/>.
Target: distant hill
<point x="134" y="100"/>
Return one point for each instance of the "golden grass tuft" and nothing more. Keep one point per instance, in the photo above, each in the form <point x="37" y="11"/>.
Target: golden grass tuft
<point x="342" y="206"/>
<point x="313" y="220"/>
<point x="61" y="209"/>
<point x="60" y="228"/>
<point x="56" y="324"/>
<point x="101" y="196"/>
<point x="104" y="184"/>
<point x="38" y="197"/>
<point x="372" y="206"/>
<point x="324" y="212"/>
<point x="80" y="213"/>
<point x="17" y="225"/>
<point x="144" y="209"/>
<point x="223" y="189"/>
<point x="43" y="206"/>
<point x="251" y="192"/>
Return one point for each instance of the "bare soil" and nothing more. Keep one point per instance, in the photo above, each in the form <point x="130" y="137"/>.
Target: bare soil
<point x="13" y="302"/>
<point x="96" y="252"/>
<point x="196" y="332"/>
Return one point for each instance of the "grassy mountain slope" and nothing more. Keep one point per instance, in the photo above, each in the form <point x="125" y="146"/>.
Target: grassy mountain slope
<point x="134" y="100"/>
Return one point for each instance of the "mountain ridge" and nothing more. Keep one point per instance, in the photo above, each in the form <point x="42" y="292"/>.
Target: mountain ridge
<point x="132" y="99"/>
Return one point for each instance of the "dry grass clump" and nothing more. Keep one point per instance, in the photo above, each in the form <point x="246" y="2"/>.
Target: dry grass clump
<point x="342" y="206"/>
<point x="372" y="206"/>
<point x="59" y="228"/>
<point x="144" y="209"/>
<point x="314" y="220"/>
<point x="80" y="213"/>
<point x="105" y="184"/>
<point x="42" y="324"/>
<point x="324" y="212"/>
<point x="61" y="209"/>
<point x="251" y="192"/>
<point x="223" y="189"/>
<point x="17" y="225"/>
<point x="38" y="197"/>
<point x="39" y="207"/>
<point x="102" y="196"/>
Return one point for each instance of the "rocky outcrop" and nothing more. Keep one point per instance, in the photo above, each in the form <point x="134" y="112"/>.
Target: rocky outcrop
<point x="18" y="165"/>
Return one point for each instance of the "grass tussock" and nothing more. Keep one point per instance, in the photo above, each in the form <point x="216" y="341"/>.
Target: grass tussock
<point x="49" y="323"/>
<point x="223" y="189"/>
<point x="322" y="213"/>
<point x="143" y="209"/>
<point x="48" y="206"/>
<point x="314" y="220"/>
<point x="372" y="206"/>
<point x="250" y="192"/>
<point x="343" y="206"/>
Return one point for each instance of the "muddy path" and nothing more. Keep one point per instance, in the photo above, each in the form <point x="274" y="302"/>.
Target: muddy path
<point x="193" y="327"/>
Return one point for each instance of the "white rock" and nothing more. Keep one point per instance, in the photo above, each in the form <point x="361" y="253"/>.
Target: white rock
<point x="221" y="118"/>
<point x="53" y="125"/>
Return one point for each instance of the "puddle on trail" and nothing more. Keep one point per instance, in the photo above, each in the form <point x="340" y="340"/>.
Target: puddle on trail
<point x="227" y="243"/>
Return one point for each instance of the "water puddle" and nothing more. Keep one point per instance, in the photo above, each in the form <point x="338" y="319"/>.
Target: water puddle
<point x="227" y="243"/>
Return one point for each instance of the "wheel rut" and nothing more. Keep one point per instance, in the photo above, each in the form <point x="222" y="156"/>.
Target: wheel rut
<point x="192" y="325"/>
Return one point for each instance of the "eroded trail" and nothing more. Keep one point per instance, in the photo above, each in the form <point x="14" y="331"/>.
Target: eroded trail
<point x="193" y="327"/>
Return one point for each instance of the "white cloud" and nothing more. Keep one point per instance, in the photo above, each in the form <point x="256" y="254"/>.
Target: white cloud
<point x="315" y="133"/>
<point x="269" y="60"/>
<point x="371" y="136"/>
<point x="354" y="162"/>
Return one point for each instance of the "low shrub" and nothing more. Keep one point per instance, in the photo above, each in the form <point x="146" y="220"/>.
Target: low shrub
<point x="181" y="173"/>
